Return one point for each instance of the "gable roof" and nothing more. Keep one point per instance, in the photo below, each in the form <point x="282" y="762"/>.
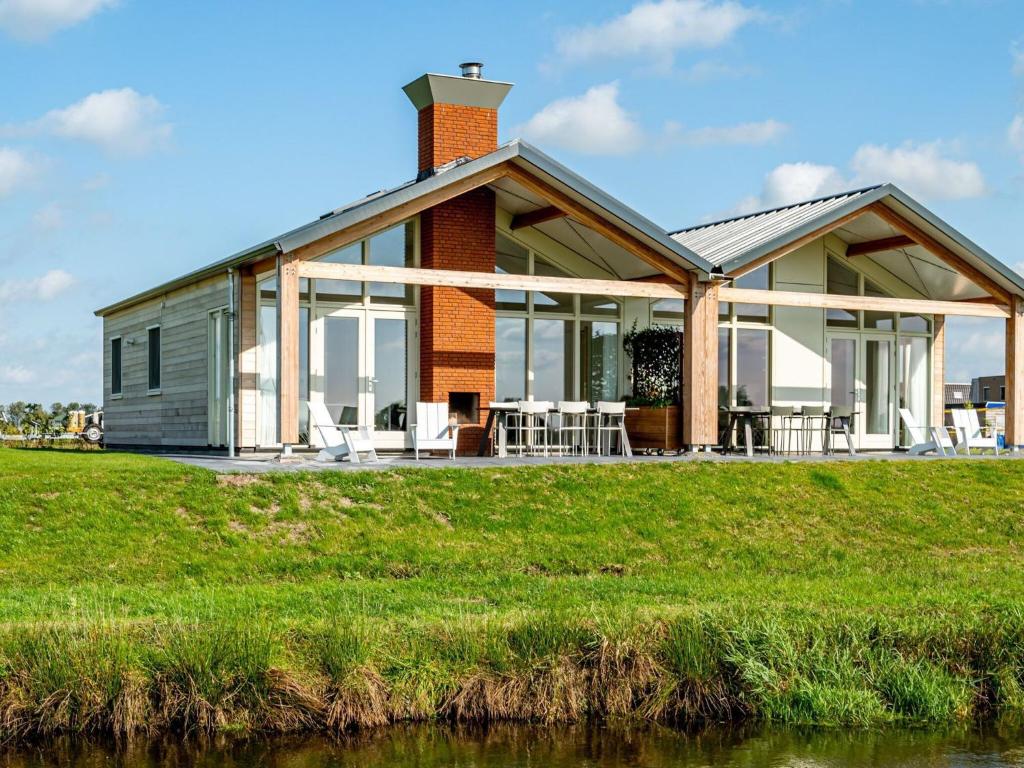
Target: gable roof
<point x="733" y="243"/>
<point x="722" y="242"/>
<point x="517" y="152"/>
<point x="956" y="394"/>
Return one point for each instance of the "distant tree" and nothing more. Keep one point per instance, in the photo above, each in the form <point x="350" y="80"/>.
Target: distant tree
<point x="16" y="413"/>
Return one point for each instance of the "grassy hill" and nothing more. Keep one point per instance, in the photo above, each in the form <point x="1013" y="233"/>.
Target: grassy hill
<point x="135" y="592"/>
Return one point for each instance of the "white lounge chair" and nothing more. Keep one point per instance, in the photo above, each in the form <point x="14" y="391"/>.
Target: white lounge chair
<point x="433" y="430"/>
<point x="340" y="441"/>
<point x="969" y="430"/>
<point x="939" y="442"/>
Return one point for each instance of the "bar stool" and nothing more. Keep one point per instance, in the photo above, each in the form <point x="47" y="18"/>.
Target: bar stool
<point x="572" y="424"/>
<point x="780" y="440"/>
<point x="838" y="422"/>
<point x="611" y="421"/>
<point x="532" y="420"/>
<point x="814" y="422"/>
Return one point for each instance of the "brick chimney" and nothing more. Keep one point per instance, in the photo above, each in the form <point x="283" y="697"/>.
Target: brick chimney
<point x="458" y="117"/>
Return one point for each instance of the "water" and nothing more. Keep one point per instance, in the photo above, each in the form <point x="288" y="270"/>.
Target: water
<point x="519" y="747"/>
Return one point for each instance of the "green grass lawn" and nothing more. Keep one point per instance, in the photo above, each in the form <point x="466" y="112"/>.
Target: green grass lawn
<point x="783" y="590"/>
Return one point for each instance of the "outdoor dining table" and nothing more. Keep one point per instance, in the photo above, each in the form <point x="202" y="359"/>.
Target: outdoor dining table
<point x="746" y="414"/>
<point x="497" y="419"/>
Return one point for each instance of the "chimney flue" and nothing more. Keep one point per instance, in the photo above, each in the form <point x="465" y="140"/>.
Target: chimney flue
<point x="471" y="69"/>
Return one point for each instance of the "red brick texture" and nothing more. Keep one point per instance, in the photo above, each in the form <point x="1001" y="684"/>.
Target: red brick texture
<point x="457" y="325"/>
<point x="450" y="131"/>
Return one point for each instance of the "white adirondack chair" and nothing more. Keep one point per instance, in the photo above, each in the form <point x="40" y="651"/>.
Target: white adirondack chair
<point x="939" y="442"/>
<point x="340" y="441"/>
<point x="433" y="431"/>
<point x="969" y="429"/>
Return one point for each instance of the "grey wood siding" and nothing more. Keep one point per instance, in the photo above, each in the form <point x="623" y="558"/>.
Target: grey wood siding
<point x="177" y="416"/>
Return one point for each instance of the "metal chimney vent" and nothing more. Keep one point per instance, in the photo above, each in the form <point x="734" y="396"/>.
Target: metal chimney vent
<point x="471" y="69"/>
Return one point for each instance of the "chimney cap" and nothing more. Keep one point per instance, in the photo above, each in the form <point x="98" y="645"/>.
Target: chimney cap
<point x="452" y="89"/>
<point x="471" y="69"/>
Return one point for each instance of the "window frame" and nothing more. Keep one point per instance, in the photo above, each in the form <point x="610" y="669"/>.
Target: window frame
<point x="119" y="393"/>
<point x="150" y="389"/>
<point x="576" y="318"/>
<point x="733" y="324"/>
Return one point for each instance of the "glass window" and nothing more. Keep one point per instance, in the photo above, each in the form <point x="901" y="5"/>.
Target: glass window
<point x="510" y="259"/>
<point x="390" y="373"/>
<point x="723" y="367"/>
<point x="878" y="321"/>
<point x="393" y="247"/>
<point x="341" y="290"/>
<point x="341" y="368"/>
<point x="599" y="360"/>
<point x="758" y="280"/>
<point x="552" y="360"/>
<point x="115" y="366"/>
<point x="913" y="371"/>
<point x="842" y="281"/>
<point x="599" y="305"/>
<point x="153" y="348"/>
<point x="510" y="358"/>
<point x="550" y="302"/>
<point x="268" y="375"/>
<point x="668" y="312"/>
<point x="915" y="323"/>
<point x="877" y="382"/>
<point x="751" y="366"/>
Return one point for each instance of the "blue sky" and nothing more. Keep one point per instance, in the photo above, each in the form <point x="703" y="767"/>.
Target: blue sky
<point x="141" y="139"/>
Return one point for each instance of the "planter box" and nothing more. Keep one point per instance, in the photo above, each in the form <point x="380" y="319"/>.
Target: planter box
<point x="657" y="429"/>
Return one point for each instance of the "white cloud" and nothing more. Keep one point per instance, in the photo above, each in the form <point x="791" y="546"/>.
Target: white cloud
<point x="45" y="288"/>
<point x="594" y="123"/>
<point x="792" y="182"/>
<point x="121" y="120"/>
<point x="920" y="170"/>
<point x="658" y="29"/>
<point x="763" y="132"/>
<point x="35" y="20"/>
<point x="15" y="169"/>
<point x="15" y="374"/>
<point x="1015" y="134"/>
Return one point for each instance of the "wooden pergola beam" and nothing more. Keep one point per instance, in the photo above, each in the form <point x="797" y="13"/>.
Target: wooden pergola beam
<point x="933" y="246"/>
<point x="489" y="280"/>
<point x="539" y="216"/>
<point x="585" y="216"/>
<point x="877" y="246"/>
<point x="876" y="303"/>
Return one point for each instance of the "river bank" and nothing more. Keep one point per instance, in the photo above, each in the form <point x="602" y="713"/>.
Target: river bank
<point x="139" y="596"/>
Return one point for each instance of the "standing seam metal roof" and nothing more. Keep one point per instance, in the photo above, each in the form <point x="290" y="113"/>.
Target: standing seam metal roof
<point x="721" y="241"/>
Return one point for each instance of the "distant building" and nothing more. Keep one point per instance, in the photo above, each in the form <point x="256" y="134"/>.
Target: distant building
<point x="985" y="389"/>
<point x="956" y="395"/>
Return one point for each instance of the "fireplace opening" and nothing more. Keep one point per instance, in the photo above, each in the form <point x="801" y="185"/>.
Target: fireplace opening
<point x="464" y="407"/>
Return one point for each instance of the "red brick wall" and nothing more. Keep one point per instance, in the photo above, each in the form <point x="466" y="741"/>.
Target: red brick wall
<point x="449" y="131"/>
<point x="457" y="325"/>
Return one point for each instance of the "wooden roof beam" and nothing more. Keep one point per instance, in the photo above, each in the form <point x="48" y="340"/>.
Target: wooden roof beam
<point x="533" y="218"/>
<point x="943" y="253"/>
<point x="877" y="246"/>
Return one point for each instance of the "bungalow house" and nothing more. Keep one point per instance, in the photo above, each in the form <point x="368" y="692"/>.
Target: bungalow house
<point x="499" y="274"/>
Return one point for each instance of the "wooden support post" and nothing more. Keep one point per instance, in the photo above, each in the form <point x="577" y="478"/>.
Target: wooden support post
<point x="1015" y="373"/>
<point x="245" y="350"/>
<point x="287" y="351"/>
<point x="938" y="415"/>
<point x="700" y="374"/>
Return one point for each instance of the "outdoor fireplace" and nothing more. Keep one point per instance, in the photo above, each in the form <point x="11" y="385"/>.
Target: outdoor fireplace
<point x="464" y="407"/>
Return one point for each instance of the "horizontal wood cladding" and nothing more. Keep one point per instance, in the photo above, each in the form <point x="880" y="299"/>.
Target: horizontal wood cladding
<point x="177" y="416"/>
